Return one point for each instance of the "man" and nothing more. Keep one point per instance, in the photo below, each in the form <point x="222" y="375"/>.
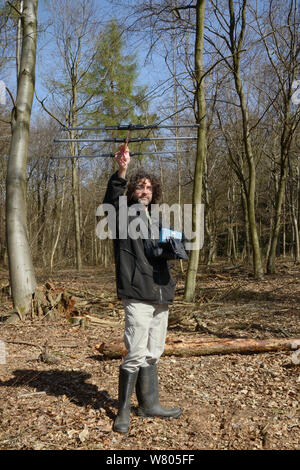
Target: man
<point x="146" y="288"/>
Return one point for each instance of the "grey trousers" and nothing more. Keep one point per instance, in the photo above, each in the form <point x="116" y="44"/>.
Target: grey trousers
<point x="145" y="333"/>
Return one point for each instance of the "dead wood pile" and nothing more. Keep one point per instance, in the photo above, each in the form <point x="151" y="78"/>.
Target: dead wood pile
<point x="80" y="307"/>
<point x="84" y="308"/>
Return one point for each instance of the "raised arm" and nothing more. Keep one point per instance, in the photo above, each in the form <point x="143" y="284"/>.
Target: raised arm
<point x="123" y="159"/>
<point x="117" y="182"/>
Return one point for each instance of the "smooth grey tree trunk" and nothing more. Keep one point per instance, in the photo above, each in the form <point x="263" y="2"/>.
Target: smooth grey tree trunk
<point x="201" y="149"/>
<point x="22" y="277"/>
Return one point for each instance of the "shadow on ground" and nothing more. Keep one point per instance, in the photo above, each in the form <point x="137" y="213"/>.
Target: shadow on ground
<point x="62" y="382"/>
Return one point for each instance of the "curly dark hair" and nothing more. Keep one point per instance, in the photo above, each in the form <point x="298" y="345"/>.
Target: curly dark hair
<point x="141" y="175"/>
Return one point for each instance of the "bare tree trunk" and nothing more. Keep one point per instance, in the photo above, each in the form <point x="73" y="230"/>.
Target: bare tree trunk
<point x="162" y="179"/>
<point x="19" y="40"/>
<point x="270" y="238"/>
<point x="296" y="216"/>
<point x="59" y="222"/>
<point x="231" y="243"/>
<point x="75" y="197"/>
<point x="42" y="190"/>
<point x="296" y="240"/>
<point x="201" y="148"/>
<point x="176" y="133"/>
<point x="277" y="218"/>
<point x="293" y="212"/>
<point x="247" y="248"/>
<point x="22" y="277"/>
<point x="284" y="229"/>
<point x="208" y="224"/>
<point x="234" y="237"/>
<point x="74" y="23"/>
<point x="236" y="46"/>
<point x="283" y="54"/>
<point x="75" y="177"/>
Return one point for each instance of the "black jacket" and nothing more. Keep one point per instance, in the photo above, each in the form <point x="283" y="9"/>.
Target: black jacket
<point x="137" y="277"/>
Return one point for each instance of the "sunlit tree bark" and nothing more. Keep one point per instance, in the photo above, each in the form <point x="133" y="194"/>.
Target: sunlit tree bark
<point x="21" y="269"/>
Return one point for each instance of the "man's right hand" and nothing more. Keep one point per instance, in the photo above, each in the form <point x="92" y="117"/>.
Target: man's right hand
<point x="123" y="158"/>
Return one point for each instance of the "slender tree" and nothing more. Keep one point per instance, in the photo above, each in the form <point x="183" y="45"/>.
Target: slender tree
<point x="21" y="269"/>
<point x="201" y="148"/>
<point x="236" y="45"/>
<point x="74" y="30"/>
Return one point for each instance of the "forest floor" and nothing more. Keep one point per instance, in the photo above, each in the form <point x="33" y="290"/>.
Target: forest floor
<point x="229" y="401"/>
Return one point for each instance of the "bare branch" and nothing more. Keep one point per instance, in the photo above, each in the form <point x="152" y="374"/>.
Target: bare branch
<point x="11" y="96"/>
<point x="47" y="110"/>
<point x="14" y="8"/>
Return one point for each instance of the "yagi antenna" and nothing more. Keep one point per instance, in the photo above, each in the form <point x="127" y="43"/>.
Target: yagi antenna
<point x="131" y="127"/>
<point x="120" y="140"/>
<point x="111" y="155"/>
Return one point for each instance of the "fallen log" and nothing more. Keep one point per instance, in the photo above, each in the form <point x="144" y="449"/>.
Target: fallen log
<point x="191" y="346"/>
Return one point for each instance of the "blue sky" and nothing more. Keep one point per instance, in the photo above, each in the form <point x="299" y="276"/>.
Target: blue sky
<point x="150" y="74"/>
<point x="153" y="74"/>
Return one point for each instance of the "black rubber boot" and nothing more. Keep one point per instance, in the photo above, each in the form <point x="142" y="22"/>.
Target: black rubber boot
<point x="127" y="381"/>
<point x="147" y="395"/>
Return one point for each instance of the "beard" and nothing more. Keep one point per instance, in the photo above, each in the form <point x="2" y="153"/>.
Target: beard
<point x="145" y="201"/>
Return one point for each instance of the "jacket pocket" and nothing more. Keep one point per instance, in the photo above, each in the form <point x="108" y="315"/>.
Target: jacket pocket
<point x="143" y="278"/>
<point x="126" y="268"/>
<point x="142" y="272"/>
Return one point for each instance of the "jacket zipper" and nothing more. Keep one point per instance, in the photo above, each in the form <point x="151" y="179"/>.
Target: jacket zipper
<point x="160" y="296"/>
